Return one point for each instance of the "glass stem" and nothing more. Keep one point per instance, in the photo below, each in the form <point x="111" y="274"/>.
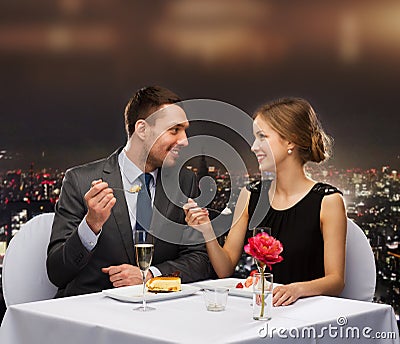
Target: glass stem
<point x="144" y="290"/>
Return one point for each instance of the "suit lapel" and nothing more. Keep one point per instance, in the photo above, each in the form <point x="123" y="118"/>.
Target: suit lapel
<point x="161" y="201"/>
<point x="112" y="175"/>
<point x="166" y="212"/>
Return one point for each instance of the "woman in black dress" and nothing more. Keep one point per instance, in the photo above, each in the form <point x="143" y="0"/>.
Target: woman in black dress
<point x="308" y="217"/>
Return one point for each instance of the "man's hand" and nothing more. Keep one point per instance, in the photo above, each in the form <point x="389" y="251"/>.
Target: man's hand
<point x="125" y="274"/>
<point x="100" y="200"/>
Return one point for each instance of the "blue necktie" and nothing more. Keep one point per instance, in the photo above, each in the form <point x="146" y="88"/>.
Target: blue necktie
<point x="144" y="210"/>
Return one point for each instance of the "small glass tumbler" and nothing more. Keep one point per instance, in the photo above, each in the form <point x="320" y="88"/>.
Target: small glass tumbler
<point x="262" y="296"/>
<point x="215" y="298"/>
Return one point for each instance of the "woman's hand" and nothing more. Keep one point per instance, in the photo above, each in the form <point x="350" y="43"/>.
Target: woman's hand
<point x="285" y="295"/>
<point x="197" y="217"/>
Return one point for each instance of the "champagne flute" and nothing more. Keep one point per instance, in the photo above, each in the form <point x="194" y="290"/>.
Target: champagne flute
<point x="144" y="248"/>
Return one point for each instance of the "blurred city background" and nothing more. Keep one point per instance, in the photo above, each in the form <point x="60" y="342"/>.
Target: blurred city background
<point x="68" y="68"/>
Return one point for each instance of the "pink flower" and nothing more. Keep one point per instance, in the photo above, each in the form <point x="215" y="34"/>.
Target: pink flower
<point x="265" y="249"/>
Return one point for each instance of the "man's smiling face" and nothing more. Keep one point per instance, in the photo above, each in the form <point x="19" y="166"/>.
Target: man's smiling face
<point x="167" y="136"/>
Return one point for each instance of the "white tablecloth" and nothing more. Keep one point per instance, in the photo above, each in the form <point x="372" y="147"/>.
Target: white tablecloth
<point x="98" y="319"/>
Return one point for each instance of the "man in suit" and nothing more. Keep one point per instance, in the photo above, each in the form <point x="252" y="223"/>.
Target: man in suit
<point x="91" y="246"/>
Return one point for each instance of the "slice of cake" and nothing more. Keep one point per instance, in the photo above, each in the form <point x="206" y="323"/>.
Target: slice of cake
<point x="163" y="284"/>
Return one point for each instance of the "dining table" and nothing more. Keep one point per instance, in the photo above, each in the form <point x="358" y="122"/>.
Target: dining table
<point x="101" y="319"/>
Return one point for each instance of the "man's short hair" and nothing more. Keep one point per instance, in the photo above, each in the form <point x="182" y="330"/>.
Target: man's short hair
<point x="145" y="102"/>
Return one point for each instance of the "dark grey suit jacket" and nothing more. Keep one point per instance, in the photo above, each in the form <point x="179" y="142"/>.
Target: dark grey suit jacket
<point x="75" y="270"/>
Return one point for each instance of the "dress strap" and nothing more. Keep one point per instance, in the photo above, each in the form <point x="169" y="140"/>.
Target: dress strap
<point x="258" y="185"/>
<point x="254" y="186"/>
<point x="325" y="189"/>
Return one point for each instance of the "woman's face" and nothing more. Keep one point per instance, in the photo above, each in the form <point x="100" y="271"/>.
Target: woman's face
<point x="269" y="147"/>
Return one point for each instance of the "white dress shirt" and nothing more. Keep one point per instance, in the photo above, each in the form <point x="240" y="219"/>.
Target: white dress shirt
<point x="130" y="177"/>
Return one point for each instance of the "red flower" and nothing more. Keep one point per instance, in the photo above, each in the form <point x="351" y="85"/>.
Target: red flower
<point x="265" y="249"/>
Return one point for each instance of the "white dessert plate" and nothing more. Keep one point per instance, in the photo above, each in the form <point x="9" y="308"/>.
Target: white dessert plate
<point x="228" y="283"/>
<point x="134" y="293"/>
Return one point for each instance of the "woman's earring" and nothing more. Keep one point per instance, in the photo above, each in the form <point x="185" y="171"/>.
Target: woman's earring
<point x="289" y="151"/>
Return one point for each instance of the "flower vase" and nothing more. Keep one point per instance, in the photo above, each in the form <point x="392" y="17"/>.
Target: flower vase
<point x="261" y="268"/>
<point x="266" y="251"/>
<point x="262" y="294"/>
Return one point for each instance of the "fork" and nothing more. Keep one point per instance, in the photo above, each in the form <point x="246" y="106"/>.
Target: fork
<point x="214" y="210"/>
<point x="126" y="190"/>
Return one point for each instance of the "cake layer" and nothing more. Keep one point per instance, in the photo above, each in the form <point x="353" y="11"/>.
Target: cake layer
<point x="164" y="284"/>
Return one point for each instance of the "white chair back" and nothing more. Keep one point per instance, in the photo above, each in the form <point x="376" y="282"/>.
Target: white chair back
<point x="24" y="275"/>
<point x="360" y="277"/>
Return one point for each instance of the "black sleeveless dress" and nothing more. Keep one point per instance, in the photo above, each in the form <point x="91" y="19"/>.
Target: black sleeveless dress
<point x="298" y="229"/>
